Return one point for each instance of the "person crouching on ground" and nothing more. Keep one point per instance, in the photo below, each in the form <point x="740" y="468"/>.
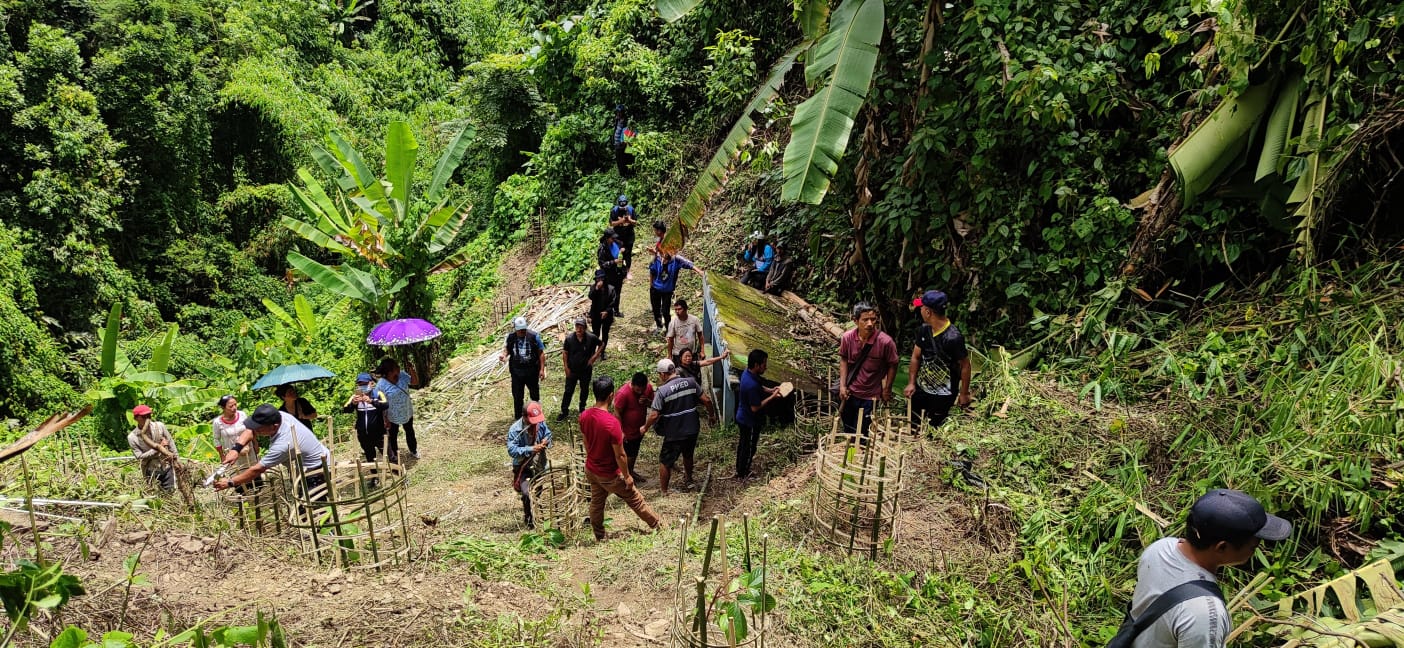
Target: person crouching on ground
<point x="147" y="441"/>
<point x="606" y="462"/>
<point x="1177" y="600"/>
<point x="631" y="406"/>
<point x="527" y="441"/>
<point x="285" y="432"/>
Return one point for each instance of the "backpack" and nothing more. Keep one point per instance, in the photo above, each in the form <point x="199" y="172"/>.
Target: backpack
<point x="1132" y="628"/>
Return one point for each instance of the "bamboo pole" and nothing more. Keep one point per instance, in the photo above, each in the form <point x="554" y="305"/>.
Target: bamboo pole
<point x="33" y="523"/>
<point x="701" y="619"/>
<point x="370" y="515"/>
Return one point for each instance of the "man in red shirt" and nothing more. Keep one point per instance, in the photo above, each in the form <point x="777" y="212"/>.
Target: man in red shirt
<point x="605" y="458"/>
<point x="631" y="406"/>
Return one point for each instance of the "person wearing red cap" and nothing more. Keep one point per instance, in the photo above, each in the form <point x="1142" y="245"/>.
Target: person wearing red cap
<point x="1177" y="602"/>
<point x="939" y="373"/>
<point x="606" y="463"/>
<point x="527" y="441"/>
<point x="145" y="440"/>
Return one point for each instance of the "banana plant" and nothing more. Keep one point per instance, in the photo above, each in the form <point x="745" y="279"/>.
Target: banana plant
<point x="123" y="385"/>
<point x="840" y="57"/>
<point x="390" y="237"/>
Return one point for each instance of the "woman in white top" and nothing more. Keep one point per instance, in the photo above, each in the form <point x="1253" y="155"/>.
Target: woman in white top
<point x="227" y="427"/>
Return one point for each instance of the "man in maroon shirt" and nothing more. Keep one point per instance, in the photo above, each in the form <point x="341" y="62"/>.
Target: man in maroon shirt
<point x="631" y="406"/>
<point x="605" y="459"/>
<point x="867" y="367"/>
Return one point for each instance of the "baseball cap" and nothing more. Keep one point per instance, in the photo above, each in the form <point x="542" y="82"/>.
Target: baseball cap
<point x="141" y="410"/>
<point x="1224" y="514"/>
<point x="599" y="274"/>
<point x="931" y="299"/>
<point x="622" y="199"/>
<point x="534" y="413"/>
<point x="665" y="366"/>
<point x="363" y="377"/>
<point x="519" y="324"/>
<point x="266" y="415"/>
<point x="610" y="233"/>
<point x="580" y="321"/>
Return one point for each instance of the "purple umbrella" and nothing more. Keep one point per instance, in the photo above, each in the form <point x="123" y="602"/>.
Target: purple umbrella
<point x="402" y="331"/>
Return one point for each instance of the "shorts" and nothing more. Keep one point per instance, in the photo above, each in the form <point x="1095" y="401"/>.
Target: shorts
<point x="631" y="448"/>
<point x="671" y="450"/>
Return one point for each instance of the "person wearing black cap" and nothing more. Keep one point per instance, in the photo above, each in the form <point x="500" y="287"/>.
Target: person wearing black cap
<point x="369" y="404"/>
<point x="611" y="260"/>
<point x="623" y="219"/>
<point x="938" y="375"/>
<point x="286" y="433"/>
<point x="1177" y="602"/>
<point x="580" y="350"/>
<point x="602" y="299"/>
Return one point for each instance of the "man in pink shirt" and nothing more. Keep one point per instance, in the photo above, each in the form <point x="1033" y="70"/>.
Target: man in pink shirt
<point x="605" y="461"/>
<point x="631" y="406"/>
<point x="867" y="367"/>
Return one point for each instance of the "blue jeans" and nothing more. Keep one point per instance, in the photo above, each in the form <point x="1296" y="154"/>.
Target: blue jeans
<point x="849" y="413"/>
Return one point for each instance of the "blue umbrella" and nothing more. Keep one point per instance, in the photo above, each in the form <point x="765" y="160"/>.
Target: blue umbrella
<point x="291" y="374"/>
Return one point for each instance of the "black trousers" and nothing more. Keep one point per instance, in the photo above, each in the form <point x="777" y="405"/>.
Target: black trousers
<point x="747" y="438"/>
<point x="617" y="280"/>
<point x="394" y="431"/>
<point x="370" y="440"/>
<point x="600" y="327"/>
<point x="576" y="377"/>
<point x="521" y="384"/>
<point x="626" y="246"/>
<point x="662" y="303"/>
<point x="930" y="408"/>
<point x="524" y="489"/>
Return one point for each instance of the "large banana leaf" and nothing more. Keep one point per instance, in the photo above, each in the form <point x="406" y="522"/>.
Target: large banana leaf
<point x="843" y="60"/>
<point x="448" y="162"/>
<point x="672" y="10"/>
<point x="401" y="151"/>
<point x="1218" y="141"/>
<point x="813" y="17"/>
<point x="347" y="281"/>
<point x="161" y="355"/>
<point x="714" y="174"/>
<point x="109" y="340"/>
<point x="1279" y="129"/>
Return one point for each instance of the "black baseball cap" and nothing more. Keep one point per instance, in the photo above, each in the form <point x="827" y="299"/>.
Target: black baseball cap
<point x="1224" y="514"/>
<point x="266" y="415"/>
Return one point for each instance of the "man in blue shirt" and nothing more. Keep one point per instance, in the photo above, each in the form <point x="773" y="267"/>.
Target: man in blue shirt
<point x="527" y="441"/>
<point x="751" y="399"/>
<point x="663" y="282"/>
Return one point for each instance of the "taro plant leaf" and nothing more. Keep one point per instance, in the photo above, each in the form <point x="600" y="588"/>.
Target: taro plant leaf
<point x="713" y="176"/>
<point x="672" y="10"/>
<point x="842" y="60"/>
<point x="71" y="637"/>
<point x="236" y="635"/>
<point x="116" y="639"/>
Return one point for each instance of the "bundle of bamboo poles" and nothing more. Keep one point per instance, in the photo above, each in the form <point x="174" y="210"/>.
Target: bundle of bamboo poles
<point x="859" y="484"/>
<point x="698" y="601"/>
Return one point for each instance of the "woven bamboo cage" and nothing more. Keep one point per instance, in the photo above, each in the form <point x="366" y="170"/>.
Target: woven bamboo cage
<point x="260" y="506"/>
<point x="713" y="586"/>
<point x="859" y="484"/>
<point x="559" y="497"/>
<point x="356" y="519"/>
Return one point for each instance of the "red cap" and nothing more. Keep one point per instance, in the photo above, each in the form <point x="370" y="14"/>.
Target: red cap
<point x="534" y="413"/>
<point x="141" y="410"/>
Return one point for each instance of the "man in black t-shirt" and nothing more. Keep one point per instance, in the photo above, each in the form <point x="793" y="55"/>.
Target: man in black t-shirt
<point x="623" y="218"/>
<point x="526" y="363"/>
<point x="580" y="351"/>
<point x="939" y="373"/>
<point x="602" y="298"/>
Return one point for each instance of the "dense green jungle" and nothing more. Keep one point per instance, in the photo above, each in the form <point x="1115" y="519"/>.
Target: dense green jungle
<point x="1171" y="231"/>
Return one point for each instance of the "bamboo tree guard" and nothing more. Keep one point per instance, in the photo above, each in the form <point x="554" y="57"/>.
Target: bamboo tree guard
<point x="260" y="507"/>
<point x="859" y="484"/>
<point x="697" y="600"/>
<point x="560" y="497"/>
<point x="816" y="410"/>
<point x="356" y="520"/>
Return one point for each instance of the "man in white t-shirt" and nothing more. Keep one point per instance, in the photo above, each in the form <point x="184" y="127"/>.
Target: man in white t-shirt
<point x="1224" y="528"/>
<point x="684" y="331"/>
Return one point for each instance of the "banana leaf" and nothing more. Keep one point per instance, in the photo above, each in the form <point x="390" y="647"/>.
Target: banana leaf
<point x="842" y="60"/>
<point x="161" y="355"/>
<point x="109" y="340"/>
<point x="672" y="10"/>
<point x="1217" y="142"/>
<point x="401" y="151"/>
<point x="713" y="176"/>
<point x="813" y="17"/>
<point x="1279" y="129"/>
<point x="449" y="161"/>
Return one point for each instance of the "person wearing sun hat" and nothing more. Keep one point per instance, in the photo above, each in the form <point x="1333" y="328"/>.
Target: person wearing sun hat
<point x="527" y="441"/>
<point x="938" y="375"/>
<point x="1177" y="602"/>
<point x="145" y="440"/>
